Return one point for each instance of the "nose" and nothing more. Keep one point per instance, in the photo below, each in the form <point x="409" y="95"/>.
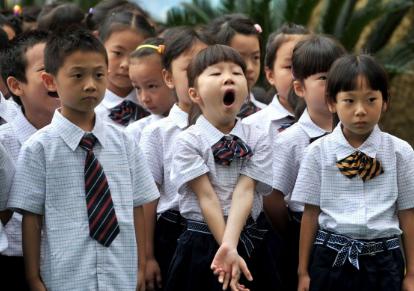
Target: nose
<point x="90" y="85"/>
<point x="124" y="63"/>
<point x="144" y="96"/>
<point x="360" y="109"/>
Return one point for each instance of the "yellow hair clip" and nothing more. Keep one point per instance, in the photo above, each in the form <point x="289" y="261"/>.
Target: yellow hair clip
<point x="159" y="48"/>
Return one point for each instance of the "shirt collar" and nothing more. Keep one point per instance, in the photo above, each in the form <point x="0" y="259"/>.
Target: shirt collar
<point x="7" y="108"/>
<point x="178" y="116"/>
<point x="344" y="149"/>
<point x="22" y="127"/>
<point x="72" y="134"/>
<point x="111" y="99"/>
<point x="311" y="129"/>
<point x="277" y="111"/>
<point x="213" y="135"/>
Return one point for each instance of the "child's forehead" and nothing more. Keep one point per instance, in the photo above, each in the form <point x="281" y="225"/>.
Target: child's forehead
<point x="84" y="59"/>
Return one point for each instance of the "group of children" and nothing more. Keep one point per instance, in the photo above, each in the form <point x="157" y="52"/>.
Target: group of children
<point x="136" y="161"/>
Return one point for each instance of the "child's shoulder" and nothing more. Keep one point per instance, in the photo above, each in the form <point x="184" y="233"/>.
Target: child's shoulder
<point x="392" y="142"/>
<point x="292" y="135"/>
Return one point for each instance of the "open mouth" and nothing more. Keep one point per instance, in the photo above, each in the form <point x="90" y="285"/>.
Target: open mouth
<point x="229" y="97"/>
<point x="53" y="94"/>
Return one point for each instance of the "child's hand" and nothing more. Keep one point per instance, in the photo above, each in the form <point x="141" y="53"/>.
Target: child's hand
<point x="408" y="283"/>
<point x="227" y="265"/>
<point x="304" y="281"/>
<point x="141" y="281"/>
<point x="152" y="274"/>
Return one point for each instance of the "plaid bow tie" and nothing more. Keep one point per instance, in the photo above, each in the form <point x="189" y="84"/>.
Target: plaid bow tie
<point x="247" y="109"/>
<point x="228" y="148"/>
<point x="127" y="111"/>
<point x="360" y="164"/>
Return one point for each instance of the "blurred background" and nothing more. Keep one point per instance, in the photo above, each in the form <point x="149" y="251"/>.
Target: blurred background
<point x="384" y="28"/>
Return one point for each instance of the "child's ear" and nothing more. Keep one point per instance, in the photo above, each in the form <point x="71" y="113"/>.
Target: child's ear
<point x="269" y="76"/>
<point x="299" y="88"/>
<point x="49" y="82"/>
<point x="168" y="78"/>
<point x="331" y="106"/>
<point x="384" y="106"/>
<point x="15" y="86"/>
<point x="194" y="97"/>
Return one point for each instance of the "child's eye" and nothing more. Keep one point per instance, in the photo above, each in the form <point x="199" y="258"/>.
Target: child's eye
<point x="153" y="86"/>
<point x="117" y="53"/>
<point x="288" y="67"/>
<point x="372" y="99"/>
<point x="100" y="75"/>
<point x="348" y="100"/>
<point x="322" y="78"/>
<point x="77" y="76"/>
<point x="215" y="74"/>
<point x="256" y="57"/>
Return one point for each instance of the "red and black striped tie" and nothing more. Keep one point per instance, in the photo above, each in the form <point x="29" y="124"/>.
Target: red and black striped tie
<point x="103" y="224"/>
<point x="229" y="148"/>
<point x="127" y="111"/>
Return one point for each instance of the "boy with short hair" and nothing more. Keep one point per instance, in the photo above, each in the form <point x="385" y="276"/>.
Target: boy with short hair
<point x="81" y="181"/>
<point x="22" y="65"/>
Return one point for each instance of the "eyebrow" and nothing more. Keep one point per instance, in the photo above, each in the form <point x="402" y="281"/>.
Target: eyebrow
<point x="83" y="68"/>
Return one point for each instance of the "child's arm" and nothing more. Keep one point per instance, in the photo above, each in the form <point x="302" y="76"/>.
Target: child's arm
<point x="406" y="218"/>
<point x="31" y="230"/>
<point x="152" y="271"/>
<point x="139" y="225"/>
<point x="308" y="230"/>
<point x="210" y="205"/>
<point x="227" y="261"/>
<point x="275" y="208"/>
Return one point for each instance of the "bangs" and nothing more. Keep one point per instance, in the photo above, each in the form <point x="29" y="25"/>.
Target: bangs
<point x="210" y="56"/>
<point x="314" y="55"/>
<point x="346" y="73"/>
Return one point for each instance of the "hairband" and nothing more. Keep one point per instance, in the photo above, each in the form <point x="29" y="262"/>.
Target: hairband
<point x="258" y="28"/>
<point x="159" y="48"/>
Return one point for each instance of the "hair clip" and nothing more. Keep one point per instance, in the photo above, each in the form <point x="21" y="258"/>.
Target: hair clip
<point x="258" y="28"/>
<point x="159" y="48"/>
<point x="91" y="10"/>
<point x="17" y="10"/>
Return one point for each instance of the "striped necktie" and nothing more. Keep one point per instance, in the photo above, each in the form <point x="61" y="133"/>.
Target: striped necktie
<point x="229" y="148"/>
<point x="289" y="121"/>
<point x="360" y="164"/>
<point x="247" y="109"/>
<point x="103" y="224"/>
<point x="127" y="111"/>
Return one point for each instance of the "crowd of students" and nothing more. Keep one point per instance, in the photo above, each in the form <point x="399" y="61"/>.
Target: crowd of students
<point x="139" y="158"/>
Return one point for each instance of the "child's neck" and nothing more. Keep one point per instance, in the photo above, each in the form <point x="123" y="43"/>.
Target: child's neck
<point x="38" y="119"/>
<point x="284" y="102"/>
<point x="120" y="92"/>
<point x="355" y="140"/>
<point x="322" y="119"/>
<point x="84" y="120"/>
<point x="184" y="106"/>
<point x="225" y="126"/>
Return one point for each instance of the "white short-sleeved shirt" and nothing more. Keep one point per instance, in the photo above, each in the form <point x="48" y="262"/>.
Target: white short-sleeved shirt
<point x="12" y="136"/>
<point x="8" y="109"/>
<point x="158" y="145"/>
<point x="135" y="128"/>
<point x="288" y="150"/>
<point x="6" y="178"/>
<point x="110" y="101"/>
<point x="193" y="157"/>
<point x="50" y="181"/>
<point x="256" y="102"/>
<point x="361" y="210"/>
<point x="271" y="118"/>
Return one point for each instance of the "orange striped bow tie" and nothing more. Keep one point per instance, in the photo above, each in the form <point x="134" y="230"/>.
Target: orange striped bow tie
<point x="360" y="164"/>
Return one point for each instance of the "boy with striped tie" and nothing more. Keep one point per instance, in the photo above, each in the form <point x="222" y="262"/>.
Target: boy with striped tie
<point x="81" y="182"/>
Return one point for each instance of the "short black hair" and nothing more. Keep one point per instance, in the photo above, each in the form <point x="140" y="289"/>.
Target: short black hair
<point x="224" y="28"/>
<point x="13" y="61"/>
<point x="210" y="56"/>
<point x="61" y="16"/>
<point x="141" y="52"/>
<point x="346" y="71"/>
<point x="181" y="41"/>
<point x="279" y="37"/>
<point x="65" y="42"/>
<point x="119" y="19"/>
<point x="315" y="54"/>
